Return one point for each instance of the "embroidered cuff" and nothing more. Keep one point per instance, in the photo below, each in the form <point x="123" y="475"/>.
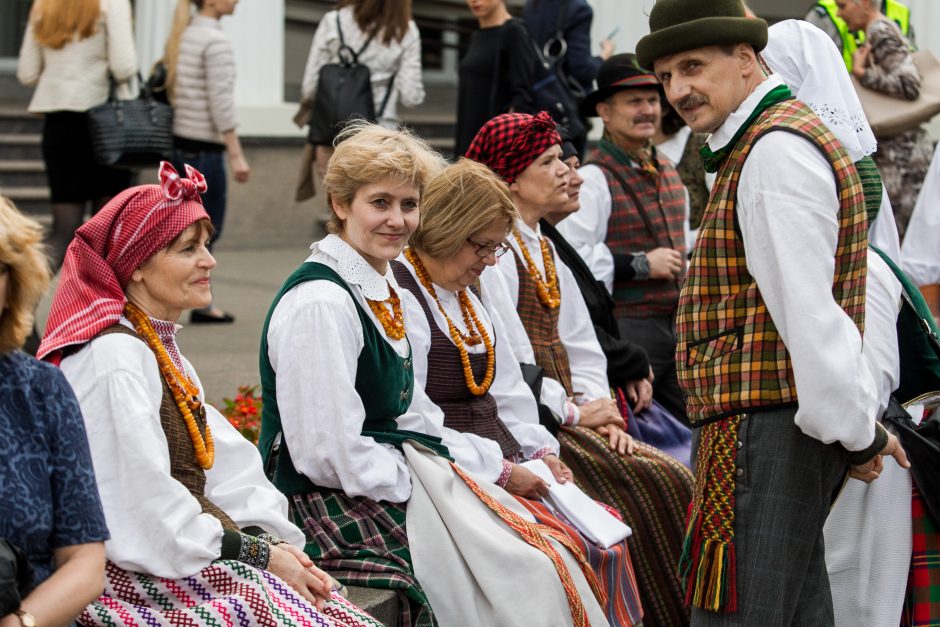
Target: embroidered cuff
<point x="271" y="539"/>
<point x="857" y="458"/>
<point x="631" y="266"/>
<point x="572" y="414"/>
<point x="504" y="476"/>
<point x="245" y="548"/>
<point x="542" y="452"/>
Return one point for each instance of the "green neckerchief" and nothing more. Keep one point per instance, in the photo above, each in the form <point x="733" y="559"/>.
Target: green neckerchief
<point x="620" y="155"/>
<point x="713" y="160"/>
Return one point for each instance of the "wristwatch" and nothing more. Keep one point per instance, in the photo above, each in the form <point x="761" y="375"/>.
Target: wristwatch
<point x="26" y="619"/>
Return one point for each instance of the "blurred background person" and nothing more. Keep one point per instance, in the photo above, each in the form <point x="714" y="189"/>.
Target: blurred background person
<point x="825" y="16"/>
<point x="201" y="86"/>
<point x="51" y="509"/>
<point x="70" y="49"/>
<point x="885" y="64"/>
<point x="495" y="74"/>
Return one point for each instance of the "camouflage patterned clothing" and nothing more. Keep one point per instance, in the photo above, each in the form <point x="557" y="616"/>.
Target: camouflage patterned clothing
<point x="904" y="158"/>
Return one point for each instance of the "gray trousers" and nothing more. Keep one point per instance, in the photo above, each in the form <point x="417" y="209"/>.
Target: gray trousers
<point x="786" y="485"/>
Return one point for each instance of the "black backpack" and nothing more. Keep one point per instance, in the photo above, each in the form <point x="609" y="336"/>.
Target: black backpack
<point x="553" y="90"/>
<point x="344" y="92"/>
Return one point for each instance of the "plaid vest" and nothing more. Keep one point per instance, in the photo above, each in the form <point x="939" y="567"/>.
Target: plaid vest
<point x="663" y="200"/>
<point x="541" y="325"/>
<point x="730" y="357"/>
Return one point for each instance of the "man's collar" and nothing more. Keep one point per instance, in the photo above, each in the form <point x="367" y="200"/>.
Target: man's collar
<point x="720" y="138"/>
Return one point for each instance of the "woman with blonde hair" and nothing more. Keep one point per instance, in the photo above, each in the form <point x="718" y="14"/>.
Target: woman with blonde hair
<point x="69" y="51"/>
<point x="198" y="534"/>
<point x="51" y="510"/>
<point x="352" y="439"/>
<point x="201" y="87"/>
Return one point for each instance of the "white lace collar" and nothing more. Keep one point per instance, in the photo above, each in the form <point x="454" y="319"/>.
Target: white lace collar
<point x="354" y="269"/>
<point x="720" y="138"/>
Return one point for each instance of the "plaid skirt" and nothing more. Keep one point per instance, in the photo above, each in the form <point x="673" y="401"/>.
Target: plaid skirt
<point x="922" y="604"/>
<point x="224" y="594"/>
<point x="652" y="491"/>
<point x="612" y="567"/>
<point x="362" y="543"/>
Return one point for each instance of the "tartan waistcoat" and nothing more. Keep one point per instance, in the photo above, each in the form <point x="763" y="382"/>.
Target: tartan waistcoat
<point x="663" y="200"/>
<point x="183" y="464"/>
<point x="447" y="386"/>
<point x="730" y="357"/>
<point x="541" y="325"/>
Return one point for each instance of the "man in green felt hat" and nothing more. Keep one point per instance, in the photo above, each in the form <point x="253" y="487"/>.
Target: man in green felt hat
<point x="631" y="226"/>
<point x="769" y="325"/>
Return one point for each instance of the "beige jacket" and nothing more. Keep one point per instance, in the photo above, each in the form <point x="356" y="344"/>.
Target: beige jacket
<point x="204" y="98"/>
<point x="75" y="77"/>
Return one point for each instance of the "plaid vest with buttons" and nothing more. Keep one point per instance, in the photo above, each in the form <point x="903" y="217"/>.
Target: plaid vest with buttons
<point x="663" y="200"/>
<point x="730" y="357"/>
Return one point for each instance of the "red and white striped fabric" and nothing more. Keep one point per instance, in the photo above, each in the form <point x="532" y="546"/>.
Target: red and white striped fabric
<point x="106" y="250"/>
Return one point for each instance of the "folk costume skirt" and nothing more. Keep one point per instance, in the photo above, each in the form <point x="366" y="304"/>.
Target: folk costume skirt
<point x="363" y="543"/>
<point x="224" y="593"/>
<point x="652" y="491"/>
<point x="922" y="604"/>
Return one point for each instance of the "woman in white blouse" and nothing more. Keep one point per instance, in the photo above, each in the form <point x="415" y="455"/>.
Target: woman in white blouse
<point x="466" y="365"/>
<point x="197" y="530"/>
<point x="352" y="439"/>
<point x="69" y="51"/>
<point x="536" y="296"/>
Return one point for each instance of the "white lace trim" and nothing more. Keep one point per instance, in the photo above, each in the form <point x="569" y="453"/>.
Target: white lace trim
<point x="354" y="269"/>
<point x="854" y="123"/>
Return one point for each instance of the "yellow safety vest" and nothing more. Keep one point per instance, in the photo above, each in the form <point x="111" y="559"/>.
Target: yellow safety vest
<point x="894" y="10"/>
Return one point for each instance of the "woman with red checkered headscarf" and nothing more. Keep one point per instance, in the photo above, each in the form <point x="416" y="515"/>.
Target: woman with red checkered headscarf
<point x="198" y="533"/>
<point x="549" y="326"/>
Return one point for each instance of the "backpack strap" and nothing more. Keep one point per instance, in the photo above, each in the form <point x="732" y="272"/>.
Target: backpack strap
<point x="343" y="46"/>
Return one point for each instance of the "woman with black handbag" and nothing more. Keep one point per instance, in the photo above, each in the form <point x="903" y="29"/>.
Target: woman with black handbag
<point x="201" y="87"/>
<point x="69" y="50"/>
<point x="51" y="522"/>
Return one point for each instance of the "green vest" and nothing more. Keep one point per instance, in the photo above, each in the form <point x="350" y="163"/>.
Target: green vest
<point x="894" y="10"/>
<point x="384" y="381"/>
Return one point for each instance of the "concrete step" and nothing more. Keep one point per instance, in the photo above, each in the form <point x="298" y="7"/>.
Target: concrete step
<point x="30" y="200"/>
<point x="19" y="121"/>
<point x="381" y="604"/>
<point x="22" y="173"/>
<point x="20" y="146"/>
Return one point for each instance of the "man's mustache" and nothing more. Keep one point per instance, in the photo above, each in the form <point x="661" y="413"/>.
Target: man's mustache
<point x="691" y="101"/>
<point x="643" y="119"/>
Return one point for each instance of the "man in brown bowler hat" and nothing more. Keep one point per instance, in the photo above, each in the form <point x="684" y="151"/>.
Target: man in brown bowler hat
<point x="769" y="325"/>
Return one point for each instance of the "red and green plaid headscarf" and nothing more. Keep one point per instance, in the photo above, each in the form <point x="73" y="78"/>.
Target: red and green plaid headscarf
<point x="510" y="142"/>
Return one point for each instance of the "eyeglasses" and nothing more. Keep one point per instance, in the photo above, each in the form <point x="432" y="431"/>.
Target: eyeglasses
<point x="485" y="250"/>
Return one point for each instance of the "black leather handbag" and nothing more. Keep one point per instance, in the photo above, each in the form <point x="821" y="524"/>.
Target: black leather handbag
<point x="131" y="133"/>
<point x="16" y="577"/>
<point x="344" y="93"/>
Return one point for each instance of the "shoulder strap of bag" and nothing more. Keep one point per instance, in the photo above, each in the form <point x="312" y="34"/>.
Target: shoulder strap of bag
<point x="636" y="200"/>
<point x="388" y="96"/>
<point x="342" y="42"/>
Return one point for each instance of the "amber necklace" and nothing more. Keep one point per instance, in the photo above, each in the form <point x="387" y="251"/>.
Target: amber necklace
<point x="392" y="321"/>
<point x="547" y="288"/>
<point x="474" y="327"/>
<point x="185" y="393"/>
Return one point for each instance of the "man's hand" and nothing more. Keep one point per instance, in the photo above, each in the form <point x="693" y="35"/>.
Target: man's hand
<point x="559" y="469"/>
<point x="600" y="412"/>
<point x="525" y="483"/>
<point x="871" y="470"/>
<point x="240" y="169"/>
<point x="860" y="60"/>
<point x="665" y="263"/>
<point x="620" y="440"/>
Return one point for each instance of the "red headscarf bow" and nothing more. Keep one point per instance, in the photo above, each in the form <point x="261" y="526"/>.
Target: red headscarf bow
<point x="510" y="142"/>
<point x="106" y="250"/>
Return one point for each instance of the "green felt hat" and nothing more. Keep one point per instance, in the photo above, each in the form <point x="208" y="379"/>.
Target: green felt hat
<point x="680" y="25"/>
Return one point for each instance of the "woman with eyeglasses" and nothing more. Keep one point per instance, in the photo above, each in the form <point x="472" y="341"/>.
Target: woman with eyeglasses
<point x="466" y="365"/>
<point x="548" y="324"/>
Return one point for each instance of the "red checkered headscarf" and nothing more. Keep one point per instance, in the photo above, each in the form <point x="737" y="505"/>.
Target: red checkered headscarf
<point x="106" y="250"/>
<point x="510" y="142"/>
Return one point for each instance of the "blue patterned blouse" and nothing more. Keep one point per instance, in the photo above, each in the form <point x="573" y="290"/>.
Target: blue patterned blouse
<point x="47" y="485"/>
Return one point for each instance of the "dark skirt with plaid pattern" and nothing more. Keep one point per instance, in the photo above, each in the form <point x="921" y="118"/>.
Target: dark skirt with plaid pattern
<point x="226" y="592"/>
<point x="652" y="491"/>
<point x="361" y="542"/>
<point x="922" y="604"/>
